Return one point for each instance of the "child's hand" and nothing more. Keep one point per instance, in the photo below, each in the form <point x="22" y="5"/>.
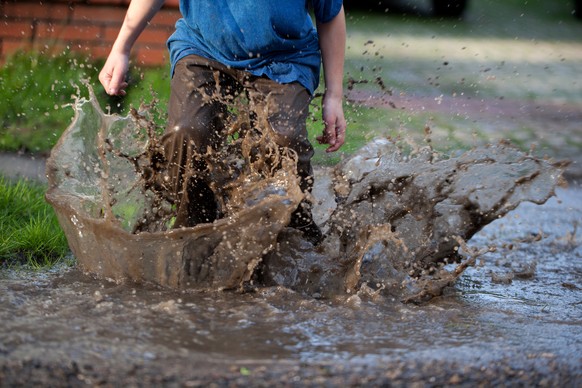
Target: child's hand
<point x="334" y="132"/>
<point x="112" y="76"/>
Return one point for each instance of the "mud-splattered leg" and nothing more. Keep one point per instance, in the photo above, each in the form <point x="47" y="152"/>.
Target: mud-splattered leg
<point x="287" y="108"/>
<point x="196" y="113"/>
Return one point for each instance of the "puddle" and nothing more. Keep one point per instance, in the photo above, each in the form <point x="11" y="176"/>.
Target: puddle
<point x="526" y="331"/>
<point x="392" y="220"/>
<point x="490" y="257"/>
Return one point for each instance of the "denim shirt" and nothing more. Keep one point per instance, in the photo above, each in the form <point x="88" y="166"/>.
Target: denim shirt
<point x="276" y="39"/>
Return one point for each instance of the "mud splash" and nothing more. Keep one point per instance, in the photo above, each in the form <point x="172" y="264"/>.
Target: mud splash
<point x="395" y="223"/>
<point x="60" y="327"/>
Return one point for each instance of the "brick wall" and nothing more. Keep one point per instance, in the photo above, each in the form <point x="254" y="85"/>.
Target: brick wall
<point x="87" y="26"/>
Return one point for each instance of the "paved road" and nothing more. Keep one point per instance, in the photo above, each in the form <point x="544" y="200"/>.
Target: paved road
<point x="16" y="166"/>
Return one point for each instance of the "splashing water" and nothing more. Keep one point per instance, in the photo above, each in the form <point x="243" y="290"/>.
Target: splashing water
<point x="394" y="224"/>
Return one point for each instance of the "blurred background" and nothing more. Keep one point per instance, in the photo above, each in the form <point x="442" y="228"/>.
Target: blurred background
<point x="471" y="71"/>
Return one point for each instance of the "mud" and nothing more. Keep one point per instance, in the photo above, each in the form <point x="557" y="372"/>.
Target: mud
<point x="392" y="220"/>
<point x="478" y="238"/>
<point x="513" y="319"/>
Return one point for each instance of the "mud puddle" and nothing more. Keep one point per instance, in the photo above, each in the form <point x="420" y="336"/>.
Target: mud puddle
<point x="515" y="318"/>
<point x="393" y="215"/>
<point x="494" y="280"/>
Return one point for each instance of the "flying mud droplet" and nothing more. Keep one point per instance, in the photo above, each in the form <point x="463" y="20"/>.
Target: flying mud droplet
<point x="394" y="224"/>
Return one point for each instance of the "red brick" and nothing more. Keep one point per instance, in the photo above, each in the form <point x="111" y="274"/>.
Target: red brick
<point x="94" y="14"/>
<point x="10" y="46"/>
<point x="88" y="26"/>
<point x="110" y="33"/>
<point x="50" y="47"/>
<point x="167" y="4"/>
<point x="172" y="3"/>
<point x="46" y="30"/>
<point x="16" y="29"/>
<point x="36" y="10"/>
<point x="69" y="2"/>
<point x="23" y="9"/>
<point x="61" y="47"/>
<point x="154" y="36"/>
<point x="125" y="3"/>
<point x="109" y="2"/>
<point x="100" y="51"/>
<point x="166" y="17"/>
<point x="68" y="32"/>
<point x="56" y="47"/>
<point x="145" y="56"/>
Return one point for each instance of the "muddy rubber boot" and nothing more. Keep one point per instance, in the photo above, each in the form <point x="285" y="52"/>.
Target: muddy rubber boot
<point x="202" y="206"/>
<point x="198" y="207"/>
<point x="302" y="220"/>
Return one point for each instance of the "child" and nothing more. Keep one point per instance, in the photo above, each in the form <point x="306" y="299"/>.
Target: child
<point x="268" y="50"/>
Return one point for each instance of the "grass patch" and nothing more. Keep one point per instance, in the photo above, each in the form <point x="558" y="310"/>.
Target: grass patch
<point x="38" y="109"/>
<point x="38" y="106"/>
<point x="37" y="90"/>
<point x="29" y="230"/>
<point x="507" y="49"/>
<point x="34" y="88"/>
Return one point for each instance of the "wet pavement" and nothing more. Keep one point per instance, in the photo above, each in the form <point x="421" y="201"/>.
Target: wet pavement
<point x="515" y="319"/>
<point x="21" y="166"/>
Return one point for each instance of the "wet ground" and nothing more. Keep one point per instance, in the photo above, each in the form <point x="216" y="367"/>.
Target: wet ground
<point x="515" y="319"/>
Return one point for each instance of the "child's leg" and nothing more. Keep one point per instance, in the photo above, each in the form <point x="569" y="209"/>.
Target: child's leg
<point x="196" y="115"/>
<point x="287" y="107"/>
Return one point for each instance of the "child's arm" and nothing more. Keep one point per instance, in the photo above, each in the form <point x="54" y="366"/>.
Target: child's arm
<point x="139" y="13"/>
<point x="332" y="41"/>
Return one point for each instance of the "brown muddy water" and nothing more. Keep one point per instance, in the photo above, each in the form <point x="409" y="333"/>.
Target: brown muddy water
<point x="434" y="271"/>
<point x="515" y="319"/>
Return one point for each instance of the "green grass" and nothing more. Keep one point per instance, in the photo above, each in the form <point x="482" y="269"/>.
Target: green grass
<point x="521" y="52"/>
<point x="512" y="48"/>
<point x="29" y="230"/>
<point x="34" y="88"/>
<point x="36" y="91"/>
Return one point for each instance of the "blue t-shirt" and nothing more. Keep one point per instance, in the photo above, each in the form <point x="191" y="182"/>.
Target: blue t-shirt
<point x="276" y="39"/>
